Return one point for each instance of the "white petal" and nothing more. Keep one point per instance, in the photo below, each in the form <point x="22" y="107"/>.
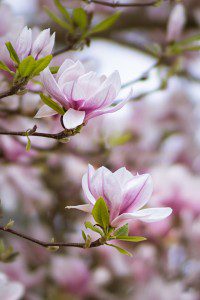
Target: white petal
<point x="86" y="184"/>
<point x="83" y="207"/>
<point x="146" y="215"/>
<point x="71" y="74"/>
<point x="48" y="48"/>
<point x="45" y="111"/>
<point x="73" y="118"/>
<point x="114" y="80"/>
<point x="40" y="42"/>
<point x="24" y="43"/>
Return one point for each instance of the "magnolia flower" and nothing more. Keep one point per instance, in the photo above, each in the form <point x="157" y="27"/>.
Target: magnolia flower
<point x="10" y="290"/>
<point x="83" y="95"/>
<point x="123" y="193"/>
<point x="27" y="44"/>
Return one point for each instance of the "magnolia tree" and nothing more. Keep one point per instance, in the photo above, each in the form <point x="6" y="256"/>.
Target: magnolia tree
<point x="60" y="116"/>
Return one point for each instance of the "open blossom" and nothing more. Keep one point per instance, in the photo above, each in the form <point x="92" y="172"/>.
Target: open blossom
<point x="83" y="95"/>
<point x="124" y="194"/>
<point x="26" y="43"/>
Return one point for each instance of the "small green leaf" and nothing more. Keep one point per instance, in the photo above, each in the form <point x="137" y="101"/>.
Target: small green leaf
<point x="9" y="224"/>
<point x="105" y="24"/>
<point x="93" y="228"/>
<point x="122" y="231"/>
<point x="48" y="101"/>
<point x="53" y="248"/>
<point x="41" y="64"/>
<point x="13" y="54"/>
<point x="121" y="250"/>
<point x="27" y="66"/>
<point x="100" y="213"/>
<point x="88" y="241"/>
<point x="62" y="10"/>
<point x="57" y="20"/>
<point x="80" y="18"/>
<point x="84" y="235"/>
<point x="5" y="68"/>
<point x="28" y="145"/>
<point x="134" y="239"/>
<point x="54" y="70"/>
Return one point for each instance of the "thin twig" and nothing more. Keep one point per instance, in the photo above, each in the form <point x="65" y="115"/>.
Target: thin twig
<point x="56" y="136"/>
<point x="47" y="244"/>
<point x="116" y="4"/>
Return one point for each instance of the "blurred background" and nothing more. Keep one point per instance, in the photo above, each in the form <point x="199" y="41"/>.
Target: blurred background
<point x="157" y="132"/>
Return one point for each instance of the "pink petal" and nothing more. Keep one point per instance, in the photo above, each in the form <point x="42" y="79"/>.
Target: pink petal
<point x="47" y="50"/>
<point x="52" y="87"/>
<point x="40" y="42"/>
<point x="137" y="193"/>
<point x="71" y="73"/>
<point x="73" y="118"/>
<point x="146" y="215"/>
<point x="65" y="65"/>
<point x="114" y="80"/>
<point x="45" y="111"/>
<point x="83" y="207"/>
<point x="108" y="110"/>
<point x="123" y="176"/>
<point x="24" y="43"/>
<point x="86" y="184"/>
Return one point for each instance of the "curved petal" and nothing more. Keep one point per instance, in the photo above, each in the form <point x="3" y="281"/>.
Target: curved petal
<point x="83" y="207"/>
<point x="146" y="215"/>
<point x="137" y="193"/>
<point x="71" y="74"/>
<point x="108" y="110"/>
<point x="65" y="65"/>
<point x="73" y="118"/>
<point x="86" y="184"/>
<point x="114" y="80"/>
<point x="123" y="176"/>
<point x="40" y="42"/>
<point x="45" y="111"/>
<point x="52" y="87"/>
<point x="48" y="47"/>
<point x="24" y="43"/>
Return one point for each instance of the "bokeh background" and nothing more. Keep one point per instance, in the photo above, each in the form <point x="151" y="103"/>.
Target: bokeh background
<point x="157" y="132"/>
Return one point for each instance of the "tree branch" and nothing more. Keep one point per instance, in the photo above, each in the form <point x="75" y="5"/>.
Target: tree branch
<point x="116" y="4"/>
<point x="46" y="244"/>
<point x="32" y="132"/>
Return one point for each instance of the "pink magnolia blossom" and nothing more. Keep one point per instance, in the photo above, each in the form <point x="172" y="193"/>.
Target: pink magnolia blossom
<point x="83" y="95"/>
<point x="124" y="193"/>
<point x="176" y="23"/>
<point x="26" y="44"/>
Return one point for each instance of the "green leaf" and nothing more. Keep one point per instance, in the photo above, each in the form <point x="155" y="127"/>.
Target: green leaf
<point x="13" y="54"/>
<point x="105" y="24"/>
<point x="134" y="239"/>
<point x="28" y="145"/>
<point x="122" y="231"/>
<point x="54" y="70"/>
<point x="57" y="20"/>
<point x="121" y="250"/>
<point x="93" y="228"/>
<point x="48" y="101"/>
<point x="100" y="213"/>
<point x="62" y="10"/>
<point x="84" y="236"/>
<point x="27" y="66"/>
<point x="41" y="64"/>
<point x="5" y="68"/>
<point x="80" y="18"/>
<point x="2" y="247"/>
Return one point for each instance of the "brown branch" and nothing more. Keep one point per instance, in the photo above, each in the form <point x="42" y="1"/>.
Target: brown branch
<point x="46" y="244"/>
<point x="32" y="132"/>
<point x="13" y="90"/>
<point x="116" y="4"/>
